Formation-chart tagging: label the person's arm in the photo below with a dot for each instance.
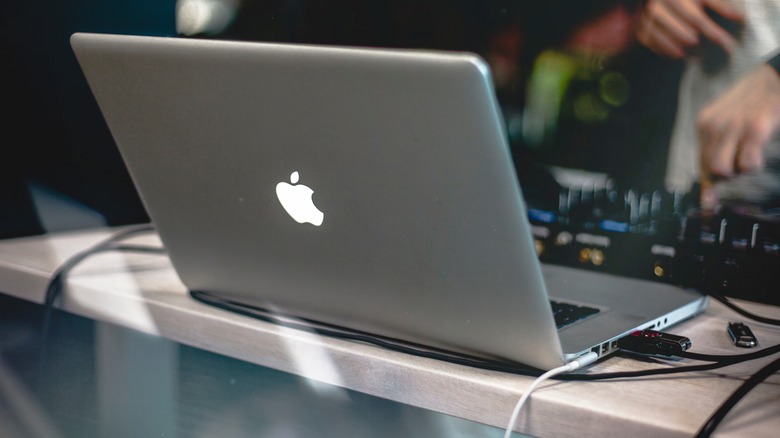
(734, 128)
(673, 28)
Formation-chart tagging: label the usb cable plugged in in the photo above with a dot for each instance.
(582, 361)
(654, 342)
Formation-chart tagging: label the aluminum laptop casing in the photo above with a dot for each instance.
(424, 236)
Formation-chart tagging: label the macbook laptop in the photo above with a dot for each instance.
(361, 188)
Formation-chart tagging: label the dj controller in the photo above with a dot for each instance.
(659, 236)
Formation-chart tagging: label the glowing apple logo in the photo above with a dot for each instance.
(296, 200)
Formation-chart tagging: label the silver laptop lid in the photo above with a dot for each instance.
(423, 235)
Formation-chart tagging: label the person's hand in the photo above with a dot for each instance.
(734, 128)
(673, 28)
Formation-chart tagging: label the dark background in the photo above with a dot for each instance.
(54, 134)
(56, 142)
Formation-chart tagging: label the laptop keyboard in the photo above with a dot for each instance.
(566, 313)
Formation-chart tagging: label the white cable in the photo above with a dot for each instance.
(584, 360)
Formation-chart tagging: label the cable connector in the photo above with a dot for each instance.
(582, 361)
(654, 342)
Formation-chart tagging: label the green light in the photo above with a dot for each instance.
(614, 88)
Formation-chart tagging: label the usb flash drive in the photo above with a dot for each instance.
(654, 342)
(741, 335)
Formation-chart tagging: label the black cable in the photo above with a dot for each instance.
(511, 368)
(72, 261)
(730, 357)
(728, 303)
(56, 282)
(647, 373)
(357, 336)
(54, 287)
(738, 395)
